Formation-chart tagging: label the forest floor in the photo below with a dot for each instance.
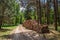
(21, 33)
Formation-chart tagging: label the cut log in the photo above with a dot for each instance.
(33, 25)
(45, 29)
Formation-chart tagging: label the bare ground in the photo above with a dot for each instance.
(21, 33)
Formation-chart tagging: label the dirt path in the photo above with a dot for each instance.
(21, 33)
(20, 29)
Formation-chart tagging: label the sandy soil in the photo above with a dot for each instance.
(21, 33)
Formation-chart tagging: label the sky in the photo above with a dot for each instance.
(24, 1)
(43, 1)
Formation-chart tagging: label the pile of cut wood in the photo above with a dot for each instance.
(33, 25)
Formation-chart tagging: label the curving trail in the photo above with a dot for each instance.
(21, 33)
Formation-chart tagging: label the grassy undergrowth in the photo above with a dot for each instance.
(59, 28)
(6, 30)
(51, 27)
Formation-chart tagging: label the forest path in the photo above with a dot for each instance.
(20, 29)
(21, 33)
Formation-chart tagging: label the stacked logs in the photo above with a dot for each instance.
(33, 25)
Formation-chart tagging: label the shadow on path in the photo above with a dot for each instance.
(20, 36)
(27, 36)
(20, 33)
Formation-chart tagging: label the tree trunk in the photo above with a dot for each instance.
(48, 11)
(0, 26)
(38, 3)
(0, 21)
(55, 12)
(2, 16)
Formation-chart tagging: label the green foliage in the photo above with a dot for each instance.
(10, 12)
(59, 15)
(13, 16)
(22, 17)
(51, 16)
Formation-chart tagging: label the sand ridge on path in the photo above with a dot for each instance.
(20, 29)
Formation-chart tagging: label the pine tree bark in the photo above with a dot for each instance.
(38, 3)
(55, 12)
(2, 16)
(48, 11)
(0, 21)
